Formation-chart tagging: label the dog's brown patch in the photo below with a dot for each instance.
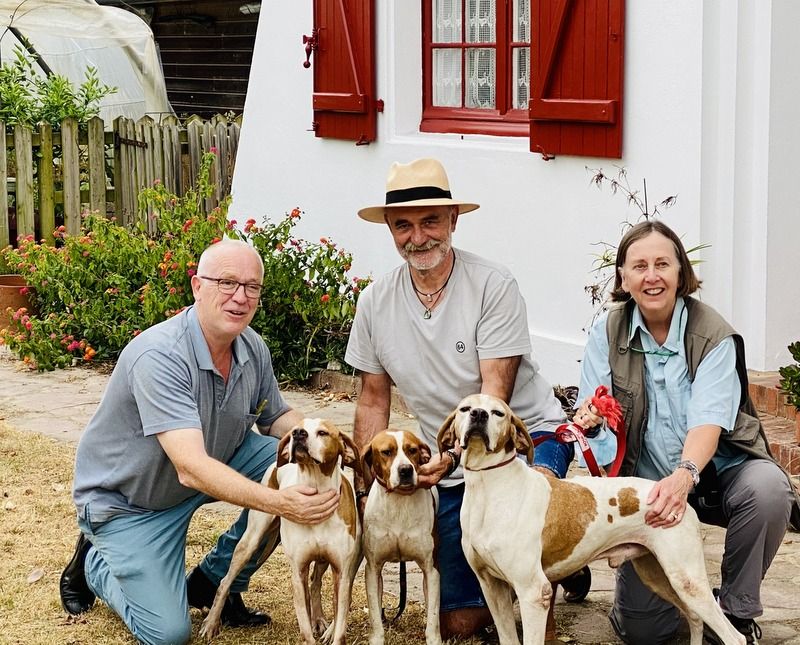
(347, 507)
(572, 508)
(273, 479)
(612, 501)
(628, 501)
(610, 519)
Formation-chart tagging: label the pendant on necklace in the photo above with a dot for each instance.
(430, 299)
(427, 314)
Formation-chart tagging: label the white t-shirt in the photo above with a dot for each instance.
(434, 362)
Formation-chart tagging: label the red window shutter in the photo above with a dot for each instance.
(344, 70)
(576, 77)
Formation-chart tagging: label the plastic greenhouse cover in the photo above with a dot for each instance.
(71, 35)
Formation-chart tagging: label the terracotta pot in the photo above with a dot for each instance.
(10, 296)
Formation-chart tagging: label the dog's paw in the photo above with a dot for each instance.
(327, 636)
(319, 626)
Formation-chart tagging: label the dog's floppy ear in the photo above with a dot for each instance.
(349, 452)
(446, 438)
(425, 453)
(522, 440)
(283, 449)
(366, 458)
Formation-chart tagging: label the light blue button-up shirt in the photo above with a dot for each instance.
(675, 404)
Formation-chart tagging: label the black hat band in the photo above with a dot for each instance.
(415, 194)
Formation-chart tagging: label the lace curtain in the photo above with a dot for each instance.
(477, 20)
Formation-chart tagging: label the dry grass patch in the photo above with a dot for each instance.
(38, 529)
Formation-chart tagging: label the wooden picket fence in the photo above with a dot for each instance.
(75, 169)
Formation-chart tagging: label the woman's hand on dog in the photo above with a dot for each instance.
(669, 499)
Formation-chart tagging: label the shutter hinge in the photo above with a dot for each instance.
(314, 126)
(379, 105)
(310, 43)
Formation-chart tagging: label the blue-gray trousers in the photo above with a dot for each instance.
(137, 566)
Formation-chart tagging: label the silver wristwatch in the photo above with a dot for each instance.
(694, 471)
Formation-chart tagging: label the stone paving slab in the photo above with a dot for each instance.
(59, 404)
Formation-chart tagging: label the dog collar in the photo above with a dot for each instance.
(502, 463)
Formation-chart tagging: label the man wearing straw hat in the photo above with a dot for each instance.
(445, 324)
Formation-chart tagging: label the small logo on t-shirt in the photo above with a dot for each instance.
(460, 347)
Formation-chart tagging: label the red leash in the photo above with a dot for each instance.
(608, 408)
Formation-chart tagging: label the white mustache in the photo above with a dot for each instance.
(409, 247)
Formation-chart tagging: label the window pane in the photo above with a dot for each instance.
(481, 15)
(522, 21)
(480, 78)
(447, 77)
(447, 21)
(521, 79)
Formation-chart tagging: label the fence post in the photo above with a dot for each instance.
(72, 175)
(47, 197)
(23, 152)
(97, 166)
(4, 234)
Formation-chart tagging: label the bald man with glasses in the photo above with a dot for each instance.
(173, 431)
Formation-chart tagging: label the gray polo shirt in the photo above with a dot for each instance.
(165, 380)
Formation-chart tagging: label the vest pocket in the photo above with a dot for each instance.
(745, 432)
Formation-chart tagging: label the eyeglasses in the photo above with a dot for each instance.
(229, 287)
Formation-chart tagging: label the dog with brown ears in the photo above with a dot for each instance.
(399, 523)
(311, 454)
(553, 528)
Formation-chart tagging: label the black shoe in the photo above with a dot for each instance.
(746, 626)
(200, 592)
(76, 597)
(576, 586)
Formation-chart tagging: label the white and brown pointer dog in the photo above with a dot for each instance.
(399, 524)
(522, 530)
(309, 455)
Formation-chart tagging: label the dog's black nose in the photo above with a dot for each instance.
(299, 433)
(406, 472)
(478, 414)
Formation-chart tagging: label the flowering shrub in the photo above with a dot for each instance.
(97, 290)
(308, 301)
(100, 288)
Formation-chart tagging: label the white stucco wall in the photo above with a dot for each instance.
(704, 119)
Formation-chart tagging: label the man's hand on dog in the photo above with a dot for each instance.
(304, 505)
(435, 470)
(668, 498)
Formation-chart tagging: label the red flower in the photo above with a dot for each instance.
(215, 240)
(187, 225)
(325, 297)
(23, 290)
(295, 213)
(213, 150)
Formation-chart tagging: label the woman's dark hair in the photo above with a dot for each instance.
(688, 281)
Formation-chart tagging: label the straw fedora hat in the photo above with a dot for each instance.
(422, 182)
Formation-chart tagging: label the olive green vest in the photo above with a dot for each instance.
(705, 328)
